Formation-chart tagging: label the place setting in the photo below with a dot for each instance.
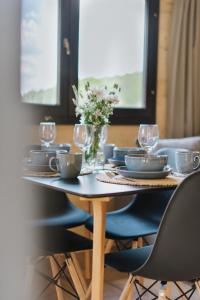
(139, 165)
(40, 160)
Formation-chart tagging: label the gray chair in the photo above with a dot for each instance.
(170, 152)
(190, 143)
(175, 253)
(51, 215)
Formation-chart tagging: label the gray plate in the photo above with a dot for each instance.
(123, 171)
(37, 168)
(116, 162)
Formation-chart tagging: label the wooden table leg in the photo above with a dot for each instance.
(99, 216)
(99, 211)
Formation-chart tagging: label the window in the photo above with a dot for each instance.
(39, 82)
(99, 41)
(49, 51)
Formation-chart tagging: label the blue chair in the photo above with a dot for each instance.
(175, 253)
(51, 215)
(140, 218)
(52, 208)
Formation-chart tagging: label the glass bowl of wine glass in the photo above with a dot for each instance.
(148, 136)
(47, 133)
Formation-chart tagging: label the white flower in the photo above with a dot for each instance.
(113, 99)
(98, 113)
(99, 92)
(95, 104)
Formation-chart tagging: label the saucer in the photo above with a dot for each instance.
(116, 162)
(123, 171)
(28, 166)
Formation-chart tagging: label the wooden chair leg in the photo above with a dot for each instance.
(131, 293)
(55, 270)
(131, 290)
(168, 290)
(79, 271)
(89, 290)
(75, 278)
(109, 246)
(88, 259)
(162, 293)
(197, 283)
(135, 244)
(127, 288)
(180, 284)
(140, 244)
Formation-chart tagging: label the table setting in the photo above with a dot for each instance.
(111, 163)
(36, 161)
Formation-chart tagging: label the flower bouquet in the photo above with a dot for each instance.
(94, 105)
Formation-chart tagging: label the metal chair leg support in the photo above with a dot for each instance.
(75, 278)
(64, 275)
(54, 281)
(55, 269)
(146, 290)
(185, 294)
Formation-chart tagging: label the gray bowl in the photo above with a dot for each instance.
(146, 163)
(120, 152)
(40, 157)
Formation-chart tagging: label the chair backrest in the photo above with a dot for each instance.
(45, 203)
(170, 152)
(176, 252)
(151, 205)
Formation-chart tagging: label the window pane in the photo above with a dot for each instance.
(39, 58)
(111, 47)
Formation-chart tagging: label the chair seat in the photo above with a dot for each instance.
(71, 218)
(121, 226)
(49, 241)
(128, 260)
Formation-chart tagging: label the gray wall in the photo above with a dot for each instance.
(12, 195)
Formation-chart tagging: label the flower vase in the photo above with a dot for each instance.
(94, 151)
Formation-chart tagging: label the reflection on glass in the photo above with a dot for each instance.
(111, 47)
(39, 54)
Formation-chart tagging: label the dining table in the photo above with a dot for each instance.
(98, 193)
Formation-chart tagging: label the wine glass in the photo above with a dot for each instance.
(83, 134)
(47, 133)
(148, 136)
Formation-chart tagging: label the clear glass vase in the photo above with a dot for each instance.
(92, 153)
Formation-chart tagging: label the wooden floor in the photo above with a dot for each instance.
(114, 283)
